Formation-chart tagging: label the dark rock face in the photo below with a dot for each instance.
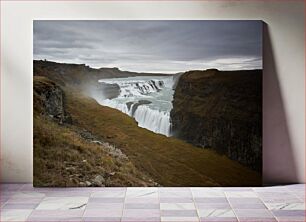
(221, 110)
(49, 99)
(135, 106)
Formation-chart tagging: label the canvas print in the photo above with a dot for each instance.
(147, 103)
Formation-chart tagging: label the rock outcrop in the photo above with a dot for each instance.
(49, 99)
(221, 110)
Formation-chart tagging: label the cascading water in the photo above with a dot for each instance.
(148, 99)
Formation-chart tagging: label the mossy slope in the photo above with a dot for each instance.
(169, 161)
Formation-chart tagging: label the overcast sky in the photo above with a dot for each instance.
(151, 46)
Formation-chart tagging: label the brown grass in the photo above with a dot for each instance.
(169, 161)
(63, 158)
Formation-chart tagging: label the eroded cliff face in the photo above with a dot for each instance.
(49, 99)
(221, 110)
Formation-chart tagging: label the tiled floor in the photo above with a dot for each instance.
(22, 202)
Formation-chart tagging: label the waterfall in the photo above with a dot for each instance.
(148, 99)
(154, 120)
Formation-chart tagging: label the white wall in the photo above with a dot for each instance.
(284, 76)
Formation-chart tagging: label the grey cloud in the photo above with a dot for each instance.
(137, 44)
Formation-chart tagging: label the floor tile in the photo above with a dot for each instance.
(291, 219)
(62, 203)
(179, 213)
(237, 189)
(274, 197)
(25, 200)
(285, 206)
(176, 189)
(176, 200)
(105, 200)
(140, 219)
(14, 214)
(102, 219)
(175, 193)
(179, 219)
(240, 194)
(19, 206)
(216, 213)
(244, 200)
(24, 194)
(253, 219)
(177, 206)
(142, 200)
(218, 219)
(210, 200)
(55, 219)
(27, 187)
(3, 200)
(296, 187)
(133, 192)
(248, 206)
(141, 206)
(246, 203)
(289, 213)
(206, 192)
(142, 213)
(279, 189)
(84, 193)
(10, 187)
(91, 205)
(213, 205)
(253, 213)
(57, 213)
(300, 195)
(109, 193)
(103, 212)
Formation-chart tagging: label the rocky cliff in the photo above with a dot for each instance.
(221, 110)
(49, 99)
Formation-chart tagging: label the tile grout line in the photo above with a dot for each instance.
(123, 207)
(91, 192)
(194, 203)
(36, 206)
(231, 206)
(158, 197)
(5, 202)
(265, 205)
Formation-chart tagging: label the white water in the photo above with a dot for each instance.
(148, 99)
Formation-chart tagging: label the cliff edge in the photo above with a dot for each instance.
(221, 110)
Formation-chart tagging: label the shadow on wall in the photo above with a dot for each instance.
(278, 160)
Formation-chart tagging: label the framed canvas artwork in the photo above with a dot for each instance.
(147, 103)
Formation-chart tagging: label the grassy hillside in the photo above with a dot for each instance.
(169, 161)
(67, 155)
